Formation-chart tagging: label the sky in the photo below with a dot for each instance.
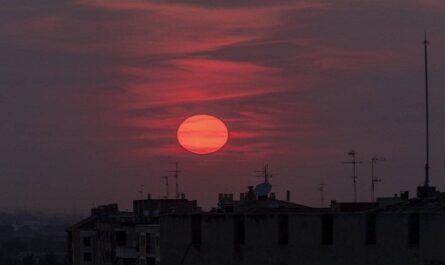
(93, 91)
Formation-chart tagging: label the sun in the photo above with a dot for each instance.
(202, 134)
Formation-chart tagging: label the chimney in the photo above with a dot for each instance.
(288, 195)
(183, 196)
(241, 196)
(272, 195)
(148, 196)
(404, 195)
(251, 196)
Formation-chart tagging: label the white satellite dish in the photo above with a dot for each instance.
(263, 189)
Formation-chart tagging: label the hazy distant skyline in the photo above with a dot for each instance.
(92, 92)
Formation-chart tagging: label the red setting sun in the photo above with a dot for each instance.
(202, 134)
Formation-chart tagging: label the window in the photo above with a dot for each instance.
(413, 229)
(196, 229)
(87, 241)
(151, 261)
(283, 229)
(147, 243)
(327, 229)
(238, 226)
(87, 256)
(121, 238)
(157, 243)
(371, 230)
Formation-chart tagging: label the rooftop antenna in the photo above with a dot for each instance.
(354, 177)
(321, 189)
(374, 179)
(265, 173)
(427, 163)
(444, 168)
(176, 175)
(166, 186)
(141, 191)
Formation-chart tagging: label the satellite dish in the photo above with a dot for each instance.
(263, 189)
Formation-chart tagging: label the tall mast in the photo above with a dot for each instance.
(265, 173)
(374, 179)
(354, 176)
(176, 176)
(427, 163)
(166, 186)
(321, 189)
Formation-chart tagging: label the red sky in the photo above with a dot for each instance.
(92, 92)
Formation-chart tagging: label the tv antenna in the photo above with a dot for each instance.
(321, 189)
(176, 176)
(141, 191)
(166, 186)
(265, 173)
(374, 179)
(427, 143)
(354, 162)
(444, 168)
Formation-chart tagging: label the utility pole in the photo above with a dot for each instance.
(354, 162)
(176, 176)
(374, 179)
(166, 186)
(427, 163)
(321, 189)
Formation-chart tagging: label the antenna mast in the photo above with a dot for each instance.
(427, 164)
(354, 177)
(321, 189)
(265, 173)
(166, 186)
(374, 179)
(176, 175)
(141, 191)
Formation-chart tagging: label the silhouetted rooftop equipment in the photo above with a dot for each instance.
(176, 172)
(265, 173)
(166, 186)
(427, 143)
(141, 191)
(321, 189)
(354, 176)
(374, 179)
(263, 189)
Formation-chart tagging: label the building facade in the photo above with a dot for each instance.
(113, 237)
(375, 238)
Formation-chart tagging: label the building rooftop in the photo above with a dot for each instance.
(427, 204)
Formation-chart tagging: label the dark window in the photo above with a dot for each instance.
(238, 225)
(371, 229)
(87, 256)
(327, 229)
(121, 238)
(87, 241)
(147, 243)
(413, 232)
(283, 229)
(196, 229)
(128, 261)
(151, 261)
(138, 242)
